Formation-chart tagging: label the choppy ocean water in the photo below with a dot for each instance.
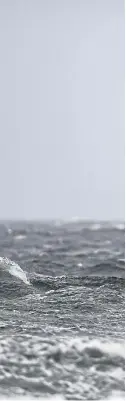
(62, 310)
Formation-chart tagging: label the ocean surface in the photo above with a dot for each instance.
(62, 310)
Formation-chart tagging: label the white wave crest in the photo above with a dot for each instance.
(119, 226)
(95, 227)
(14, 269)
(19, 237)
(111, 348)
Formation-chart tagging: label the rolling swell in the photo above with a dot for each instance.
(112, 268)
(104, 274)
(97, 275)
(48, 282)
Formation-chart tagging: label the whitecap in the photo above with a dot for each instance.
(119, 226)
(95, 227)
(14, 269)
(19, 237)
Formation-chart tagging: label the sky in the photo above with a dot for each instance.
(62, 109)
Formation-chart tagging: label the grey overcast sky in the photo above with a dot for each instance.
(62, 109)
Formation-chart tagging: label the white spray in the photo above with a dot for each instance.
(14, 269)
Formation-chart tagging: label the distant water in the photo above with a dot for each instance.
(62, 336)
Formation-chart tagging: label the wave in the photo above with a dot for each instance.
(103, 273)
(70, 367)
(48, 283)
(14, 269)
(94, 276)
(107, 226)
(91, 225)
(111, 268)
(93, 349)
(20, 237)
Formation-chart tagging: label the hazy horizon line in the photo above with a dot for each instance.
(63, 219)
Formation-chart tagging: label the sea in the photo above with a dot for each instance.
(62, 310)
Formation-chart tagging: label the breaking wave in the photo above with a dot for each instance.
(96, 276)
(7, 265)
